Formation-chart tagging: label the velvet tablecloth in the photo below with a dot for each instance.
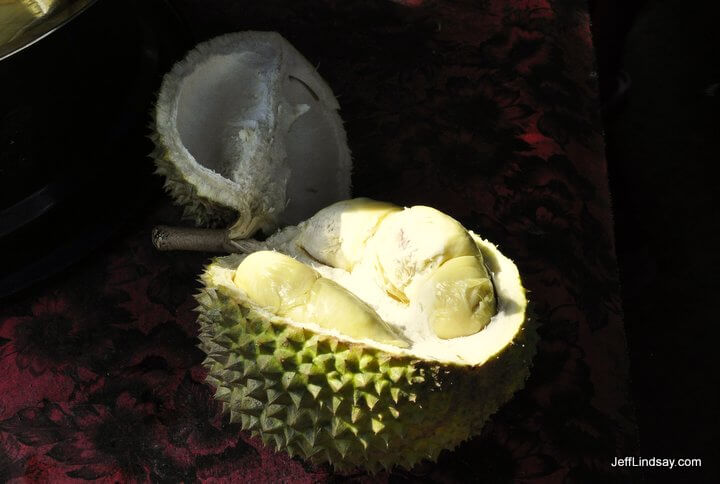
(487, 110)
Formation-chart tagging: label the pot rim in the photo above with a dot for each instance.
(45, 25)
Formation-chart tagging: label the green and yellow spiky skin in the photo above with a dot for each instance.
(352, 405)
(201, 210)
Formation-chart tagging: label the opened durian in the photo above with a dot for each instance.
(246, 131)
(366, 336)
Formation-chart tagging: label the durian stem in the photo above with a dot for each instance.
(184, 238)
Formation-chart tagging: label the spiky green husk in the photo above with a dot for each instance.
(201, 210)
(352, 405)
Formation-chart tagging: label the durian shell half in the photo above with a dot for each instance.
(353, 404)
(246, 131)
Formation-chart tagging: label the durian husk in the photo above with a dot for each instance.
(202, 210)
(265, 196)
(326, 399)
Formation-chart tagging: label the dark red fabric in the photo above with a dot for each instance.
(485, 109)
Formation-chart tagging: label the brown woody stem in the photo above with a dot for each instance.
(184, 238)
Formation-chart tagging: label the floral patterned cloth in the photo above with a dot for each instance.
(485, 109)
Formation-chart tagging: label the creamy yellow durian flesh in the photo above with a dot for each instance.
(291, 289)
(366, 336)
(420, 269)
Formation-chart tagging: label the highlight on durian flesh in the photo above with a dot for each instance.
(368, 336)
(294, 290)
(247, 132)
(418, 261)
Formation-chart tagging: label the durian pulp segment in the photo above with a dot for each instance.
(460, 308)
(336, 236)
(408, 245)
(274, 281)
(458, 297)
(291, 289)
(420, 257)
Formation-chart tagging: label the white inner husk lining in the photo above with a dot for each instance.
(468, 350)
(250, 124)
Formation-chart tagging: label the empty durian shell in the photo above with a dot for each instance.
(246, 131)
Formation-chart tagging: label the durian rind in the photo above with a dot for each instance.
(203, 211)
(327, 399)
(272, 171)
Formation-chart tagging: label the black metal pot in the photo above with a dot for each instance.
(73, 116)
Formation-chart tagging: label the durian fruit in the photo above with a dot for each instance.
(368, 336)
(246, 131)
